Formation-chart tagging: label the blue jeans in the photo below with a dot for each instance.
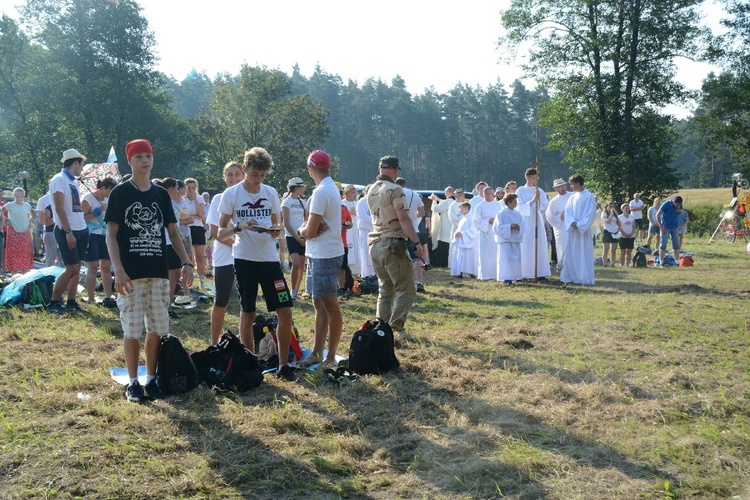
(673, 233)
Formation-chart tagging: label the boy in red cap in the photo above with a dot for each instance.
(325, 255)
(137, 214)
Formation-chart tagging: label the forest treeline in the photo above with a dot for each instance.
(82, 73)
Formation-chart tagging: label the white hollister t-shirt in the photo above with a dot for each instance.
(242, 205)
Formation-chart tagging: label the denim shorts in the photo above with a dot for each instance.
(322, 276)
(673, 233)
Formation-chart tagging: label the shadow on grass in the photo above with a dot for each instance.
(421, 429)
(245, 463)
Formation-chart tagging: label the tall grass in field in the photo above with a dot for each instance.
(637, 387)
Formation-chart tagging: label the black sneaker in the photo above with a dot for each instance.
(173, 315)
(72, 307)
(426, 267)
(152, 390)
(287, 373)
(109, 302)
(55, 307)
(134, 393)
(420, 288)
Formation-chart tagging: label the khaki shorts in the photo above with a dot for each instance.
(146, 307)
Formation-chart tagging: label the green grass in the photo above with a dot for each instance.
(638, 387)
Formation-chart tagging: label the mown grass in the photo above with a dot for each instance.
(636, 387)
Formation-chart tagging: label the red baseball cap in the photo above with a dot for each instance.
(319, 159)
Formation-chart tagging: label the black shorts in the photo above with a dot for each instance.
(97, 248)
(641, 224)
(607, 237)
(198, 235)
(224, 281)
(294, 246)
(75, 256)
(424, 238)
(269, 276)
(173, 260)
(627, 243)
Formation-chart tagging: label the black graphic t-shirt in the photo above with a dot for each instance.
(143, 218)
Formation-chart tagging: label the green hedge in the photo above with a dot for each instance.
(704, 219)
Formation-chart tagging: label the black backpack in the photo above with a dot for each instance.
(639, 259)
(175, 371)
(229, 365)
(371, 350)
(369, 285)
(38, 293)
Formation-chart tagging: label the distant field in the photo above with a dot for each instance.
(713, 196)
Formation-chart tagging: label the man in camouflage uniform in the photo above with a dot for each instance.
(392, 229)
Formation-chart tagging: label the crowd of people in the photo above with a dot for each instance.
(149, 239)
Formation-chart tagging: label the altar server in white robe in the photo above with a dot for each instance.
(349, 200)
(464, 257)
(580, 211)
(555, 215)
(508, 230)
(364, 226)
(530, 202)
(485, 214)
(454, 214)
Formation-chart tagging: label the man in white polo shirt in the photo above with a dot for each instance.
(325, 255)
(71, 232)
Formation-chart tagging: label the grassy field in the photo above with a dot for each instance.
(638, 387)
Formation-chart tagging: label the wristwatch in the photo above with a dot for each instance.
(67, 231)
(236, 227)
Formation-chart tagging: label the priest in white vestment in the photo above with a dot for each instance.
(508, 230)
(485, 214)
(442, 228)
(555, 215)
(580, 211)
(530, 202)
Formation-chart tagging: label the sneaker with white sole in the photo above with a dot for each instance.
(134, 392)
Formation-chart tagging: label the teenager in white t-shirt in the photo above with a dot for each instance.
(194, 205)
(71, 233)
(636, 208)
(627, 240)
(325, 253)
(247, 211)
(294, 210)
(222, 254)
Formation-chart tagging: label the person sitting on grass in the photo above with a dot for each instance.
(137, 216)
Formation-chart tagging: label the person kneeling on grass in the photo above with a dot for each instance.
(137, 214)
